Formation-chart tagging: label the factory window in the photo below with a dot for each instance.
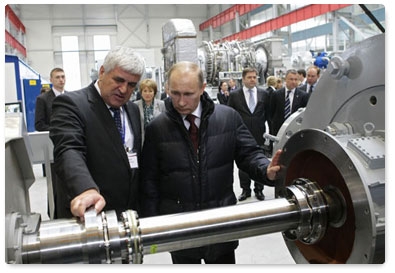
(101, 45)
(71, 62)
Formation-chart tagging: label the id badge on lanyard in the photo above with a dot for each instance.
(132, 157)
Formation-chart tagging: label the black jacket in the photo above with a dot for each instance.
(43, 110)
(89, 153)
(255, 122)
(277, 103)
(175, 179)
(222, 98)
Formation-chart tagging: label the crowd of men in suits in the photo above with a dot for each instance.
(300, 83)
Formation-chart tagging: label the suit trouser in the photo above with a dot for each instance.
(245, 182)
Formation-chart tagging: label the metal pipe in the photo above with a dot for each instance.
(187, 230)
(302, 215)
(72, 241)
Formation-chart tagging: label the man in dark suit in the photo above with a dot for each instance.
(42, 117)
(96, 133)
(313, 75)
(223, 93)
(232, 85)
(297, 98)
(44, 101)
(254, 116)
(271, 83)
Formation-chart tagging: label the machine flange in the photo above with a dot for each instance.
(317, 156)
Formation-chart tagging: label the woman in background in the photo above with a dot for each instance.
(149, 107)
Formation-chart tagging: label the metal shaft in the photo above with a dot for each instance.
(301, 215)
(187, 230)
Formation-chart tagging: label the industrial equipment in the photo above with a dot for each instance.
(23, 85)
(330, 193)
(339, 140)
(102, 238)
(221, 60)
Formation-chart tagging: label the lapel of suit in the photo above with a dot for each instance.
(281, 94)
(295, 101)
(134, 121)
(243, 101)
(259, 97)
(103, 115)
(50, 97)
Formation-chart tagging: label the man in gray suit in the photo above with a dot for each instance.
(96, 133)
(252, 104)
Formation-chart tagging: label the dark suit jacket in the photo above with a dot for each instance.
(163, 96)
(270, 91)
(222, 98)
(255, 122)
(277, 103)
(43, 110)
(304, 88)
(89, 153)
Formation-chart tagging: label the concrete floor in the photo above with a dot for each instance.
(265, 249)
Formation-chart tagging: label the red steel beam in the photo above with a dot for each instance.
(290, 18)
(9, 39)
(14, 19)
(227, 15)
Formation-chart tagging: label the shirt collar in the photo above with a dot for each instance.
(197, 112)
(57, 92)
(292, 90)
(245, 89)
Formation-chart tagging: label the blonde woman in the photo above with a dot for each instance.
(149, 107)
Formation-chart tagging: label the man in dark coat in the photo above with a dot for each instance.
(178, 176)
(44, 101)
(95, 159)
(254, 118)
(42, 118)
(313, 75)
(297, 98)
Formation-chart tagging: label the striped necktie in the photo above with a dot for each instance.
(287, 107)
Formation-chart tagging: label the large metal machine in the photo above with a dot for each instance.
(221, 60)
(224, 60)
(330, 193)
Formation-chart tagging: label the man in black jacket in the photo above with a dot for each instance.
(178, 176)
(252, 103)
(42, 117)
(96, 134)
(44, 101)
(296, 99)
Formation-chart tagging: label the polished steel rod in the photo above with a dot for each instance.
(103, 238)
(194, 229)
